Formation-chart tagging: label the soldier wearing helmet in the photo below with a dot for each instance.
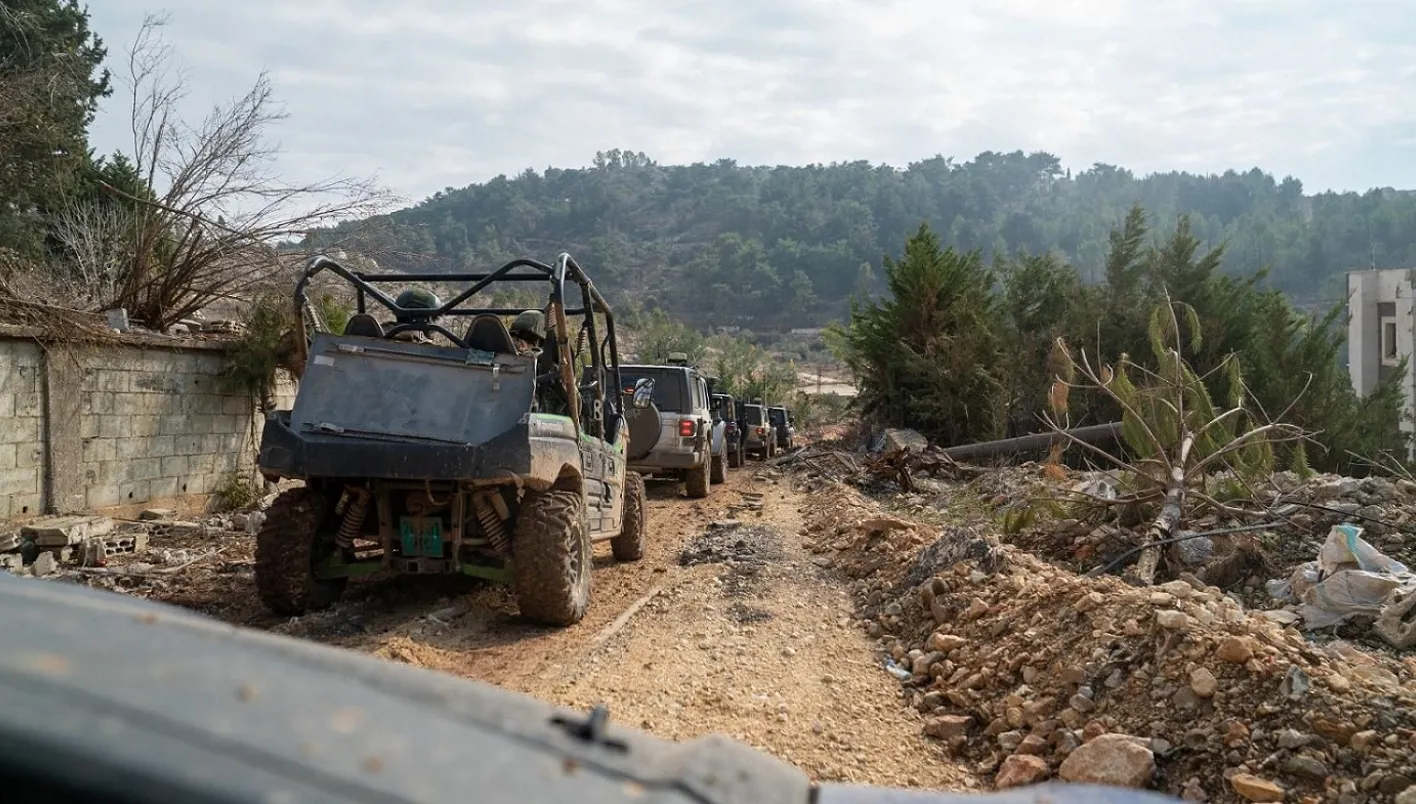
(415, 299)
(528, 332)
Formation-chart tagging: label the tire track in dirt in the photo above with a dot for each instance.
(757, 643)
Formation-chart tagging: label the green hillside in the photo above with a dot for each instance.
(779, 247)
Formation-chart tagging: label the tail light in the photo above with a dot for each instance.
(762, 431)
(688, 428)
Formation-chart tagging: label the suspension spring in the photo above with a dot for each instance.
(492, 520)
(353, 521)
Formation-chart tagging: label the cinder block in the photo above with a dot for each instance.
(7, 456)
(27, 504)
(132, 448)
(102, 495)
(164, 487)
(24, 430)
(162, 446)
(132, 492)
(27, 455)
(112, 381)
(28, 403)
(99, 450)
(144, 469)
(7, 402)
(174, 467)
(127, 542)
(113, 427)
(20, 481)
(188, 444)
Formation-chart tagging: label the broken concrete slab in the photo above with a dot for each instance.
(63, 531)
(898, 439)
(153, 514)
(45, 564)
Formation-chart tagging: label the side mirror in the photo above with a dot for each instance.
(643, 393)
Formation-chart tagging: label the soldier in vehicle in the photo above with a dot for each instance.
(528, 332)
(414, 299)
(532, 338)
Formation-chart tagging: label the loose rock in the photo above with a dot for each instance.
(1255, 788)
(1110, 759)
(1019, 770)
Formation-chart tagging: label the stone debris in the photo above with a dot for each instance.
(66, 531)
(1110, 759)
(1030, 670)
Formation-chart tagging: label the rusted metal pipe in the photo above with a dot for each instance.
(1094, 434)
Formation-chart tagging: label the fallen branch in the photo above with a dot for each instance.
(621, 621)
(156, 574)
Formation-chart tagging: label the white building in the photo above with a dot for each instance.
(1381, 330)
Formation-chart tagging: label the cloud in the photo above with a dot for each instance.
(442, 93)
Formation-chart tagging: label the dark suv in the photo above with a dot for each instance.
(725, 410)
(781, 419)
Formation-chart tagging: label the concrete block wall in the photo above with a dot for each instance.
(21, 429)
(136, 423)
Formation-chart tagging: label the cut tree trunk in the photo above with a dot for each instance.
(1168, 520)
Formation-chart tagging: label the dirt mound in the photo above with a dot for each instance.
(1017, 664)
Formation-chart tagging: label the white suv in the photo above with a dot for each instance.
(675, 436)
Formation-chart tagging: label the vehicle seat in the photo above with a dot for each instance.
(364, 326)
(489, 334)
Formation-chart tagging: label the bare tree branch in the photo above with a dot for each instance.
(207, 222)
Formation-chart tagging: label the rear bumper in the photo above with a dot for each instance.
(667, 460)
(287, 454)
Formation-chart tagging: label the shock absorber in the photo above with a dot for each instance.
(353, 521)
(492, 515)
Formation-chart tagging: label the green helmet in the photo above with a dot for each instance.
(530, 325)
(417, 299)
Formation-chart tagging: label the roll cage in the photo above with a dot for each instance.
(604, 358)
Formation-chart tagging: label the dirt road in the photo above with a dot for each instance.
(726, 626)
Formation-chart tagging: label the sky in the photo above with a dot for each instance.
(431, 94)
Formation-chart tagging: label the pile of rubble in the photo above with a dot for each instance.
(1031, 671)
(104, 548)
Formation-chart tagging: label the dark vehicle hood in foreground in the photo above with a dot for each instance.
(104, 697)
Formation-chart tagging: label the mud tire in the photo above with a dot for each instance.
(629, 545)
(551, 555)
(287, 546)
(719, 472)
(695, 481)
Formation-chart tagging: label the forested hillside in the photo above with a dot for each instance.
(788, 246)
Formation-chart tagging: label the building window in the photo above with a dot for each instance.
(1389, 357)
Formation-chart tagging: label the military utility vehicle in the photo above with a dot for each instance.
(438, 440)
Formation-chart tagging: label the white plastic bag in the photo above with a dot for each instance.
(1356, 579)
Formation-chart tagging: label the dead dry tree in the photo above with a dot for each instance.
(209, 209)
(1175, 435)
